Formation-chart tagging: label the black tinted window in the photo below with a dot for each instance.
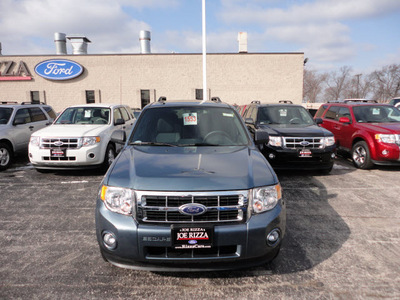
(331, 113)
(37, 114)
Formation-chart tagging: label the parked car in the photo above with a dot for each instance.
(395, 102)
(189, 191)
(17, 122)
(80, 137)
(295, 139)
(370, 132)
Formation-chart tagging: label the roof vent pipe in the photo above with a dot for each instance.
(61, 43)
(242, 39)
(144, 38)
(0, 49)
(79, 43)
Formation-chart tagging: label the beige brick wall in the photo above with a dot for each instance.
(235, 78)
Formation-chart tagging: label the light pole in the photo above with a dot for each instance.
(205, 95)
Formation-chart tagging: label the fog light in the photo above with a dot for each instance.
(273, 237)
(385, 152)
(109, 240)
(91, 155)
(271, 156)
(333, 155)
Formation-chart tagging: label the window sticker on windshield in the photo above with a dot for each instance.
(87, 114)
(283, 112)
(227, 115)
(375, 111)
(190, 119)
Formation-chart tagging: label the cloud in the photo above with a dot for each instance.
(255, 11)
(26, 24)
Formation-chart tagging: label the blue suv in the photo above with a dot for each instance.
(190, 191)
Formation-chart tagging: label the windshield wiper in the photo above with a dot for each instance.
(152, 144)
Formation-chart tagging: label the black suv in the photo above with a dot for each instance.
(295, 139)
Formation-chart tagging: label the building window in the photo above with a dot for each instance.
(145, 97)
(90, 96)
(35, 97)
(199, 94)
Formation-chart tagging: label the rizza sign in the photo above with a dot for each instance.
(58, 69)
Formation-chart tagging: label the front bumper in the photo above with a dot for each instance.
(149, 246)
(283, 158)
(91, 156)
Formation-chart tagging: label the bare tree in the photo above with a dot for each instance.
(386, 83)
(337, 83)
(312, 85)
(359, 86)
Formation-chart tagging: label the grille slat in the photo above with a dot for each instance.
(303, 142)
(60, 143)
(221, 207)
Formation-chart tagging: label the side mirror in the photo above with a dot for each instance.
(118, 137)
(344, 120)
(119, 122)
(261, 137)
(19, 121)
(319, 121)
(249, 121)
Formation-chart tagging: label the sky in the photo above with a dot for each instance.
(361, 34)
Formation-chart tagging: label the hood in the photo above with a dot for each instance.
(390, 128)
(155, 168)
(296, 130)
(71, 130)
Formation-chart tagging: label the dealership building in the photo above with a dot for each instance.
(62, 79)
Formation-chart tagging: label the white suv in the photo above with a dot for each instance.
(80, 137)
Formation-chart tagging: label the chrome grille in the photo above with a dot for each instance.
(164, 206)
(60, 143)
(303, 142)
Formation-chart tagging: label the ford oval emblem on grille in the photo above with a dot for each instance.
(192, 209)
(304, 143)
(58, 143)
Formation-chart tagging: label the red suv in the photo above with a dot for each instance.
(370, 132)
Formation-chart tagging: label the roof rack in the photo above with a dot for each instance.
(359, 100)
(256, 101)
(25, 103)
(162, 99)
(216, 99)
(286, 101)
(9, 102)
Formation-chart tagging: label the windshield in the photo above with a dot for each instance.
(84, 115)
(190, 126)
(5, 114)
(284, 115)
(376, 114)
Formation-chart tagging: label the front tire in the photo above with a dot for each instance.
(108, 157)
(361, 156)
(6, 155)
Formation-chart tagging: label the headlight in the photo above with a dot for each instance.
(387, 138)
(119, 200)
(275, 141)
(35, 141)
(265, 198)
(90, 140)
(329, 141)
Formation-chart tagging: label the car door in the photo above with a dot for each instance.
(329, 118)
(343, 130)
(129, 121)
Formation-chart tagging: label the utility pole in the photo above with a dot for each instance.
(358, 84)
(205, 94)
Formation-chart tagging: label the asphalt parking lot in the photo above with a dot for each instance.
(342, 242)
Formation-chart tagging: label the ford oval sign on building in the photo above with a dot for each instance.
(58, 69)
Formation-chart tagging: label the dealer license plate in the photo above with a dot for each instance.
(305, 153)
(57, 152)
(188, 237)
